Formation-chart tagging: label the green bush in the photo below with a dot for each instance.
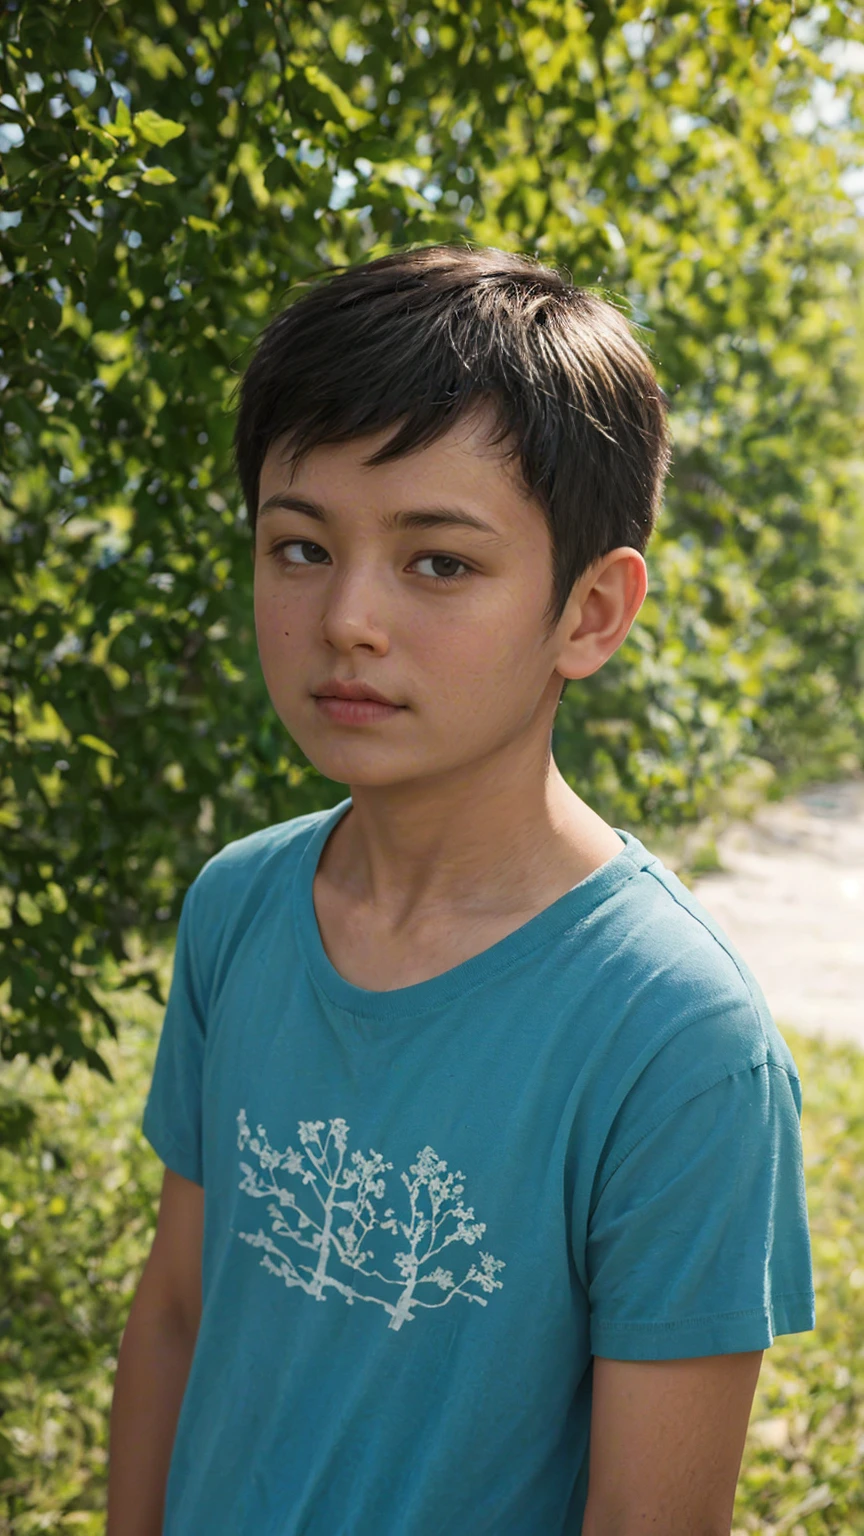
(79, 1195)
(77, 1209)
(168, 171)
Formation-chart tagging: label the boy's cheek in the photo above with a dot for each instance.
(273, 624)
(277, 652)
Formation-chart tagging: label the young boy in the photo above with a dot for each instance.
(455, 1045)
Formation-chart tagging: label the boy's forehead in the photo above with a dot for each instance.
(463, 465)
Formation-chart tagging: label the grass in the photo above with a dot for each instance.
(77, 1205)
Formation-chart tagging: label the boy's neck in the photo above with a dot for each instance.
(410, 860)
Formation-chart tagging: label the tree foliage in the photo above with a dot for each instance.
(168, 172)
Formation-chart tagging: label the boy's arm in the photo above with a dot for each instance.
(667, 1438)
(155, 1355)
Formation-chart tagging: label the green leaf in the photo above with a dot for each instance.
(158, 176)
(123, 120)
(156, 129)
(96, 745)
(17, 1119)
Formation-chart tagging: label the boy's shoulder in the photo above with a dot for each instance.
(683, 964)
(240, 863)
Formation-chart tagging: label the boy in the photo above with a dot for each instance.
(455, 1044)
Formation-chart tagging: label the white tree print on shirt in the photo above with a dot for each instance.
(356, 1186)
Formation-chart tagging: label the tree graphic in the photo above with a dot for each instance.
(435, 1200)
(323, 1168)
(435, 1219)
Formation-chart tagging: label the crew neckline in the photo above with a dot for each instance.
(425, 996)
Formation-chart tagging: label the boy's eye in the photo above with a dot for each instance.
(279, 553)
(447, 560)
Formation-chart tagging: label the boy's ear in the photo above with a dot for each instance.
(600, 612)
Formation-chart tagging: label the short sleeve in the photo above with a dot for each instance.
(698, 1242)
(172, 1116)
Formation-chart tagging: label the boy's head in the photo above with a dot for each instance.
(519, 394)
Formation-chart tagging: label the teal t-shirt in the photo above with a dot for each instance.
(582, 1141)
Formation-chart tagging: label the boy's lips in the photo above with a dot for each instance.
(355, 690)
(357, 711)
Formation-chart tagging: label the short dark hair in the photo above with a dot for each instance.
(417, 339)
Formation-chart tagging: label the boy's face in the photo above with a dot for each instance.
(353, 595)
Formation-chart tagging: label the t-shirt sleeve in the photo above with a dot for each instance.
(698, 1241)
(172, 1116)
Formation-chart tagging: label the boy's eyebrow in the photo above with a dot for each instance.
(419, 517)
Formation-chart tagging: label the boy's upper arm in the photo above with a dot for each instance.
(698, 1254)
(172, 1120)
(171, 1282)
(698, 1243)
(667, 1438)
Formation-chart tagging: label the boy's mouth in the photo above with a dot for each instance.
(354, 690)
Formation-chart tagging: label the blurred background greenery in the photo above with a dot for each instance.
(168, 172)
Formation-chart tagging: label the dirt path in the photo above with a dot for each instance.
(791, 899)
